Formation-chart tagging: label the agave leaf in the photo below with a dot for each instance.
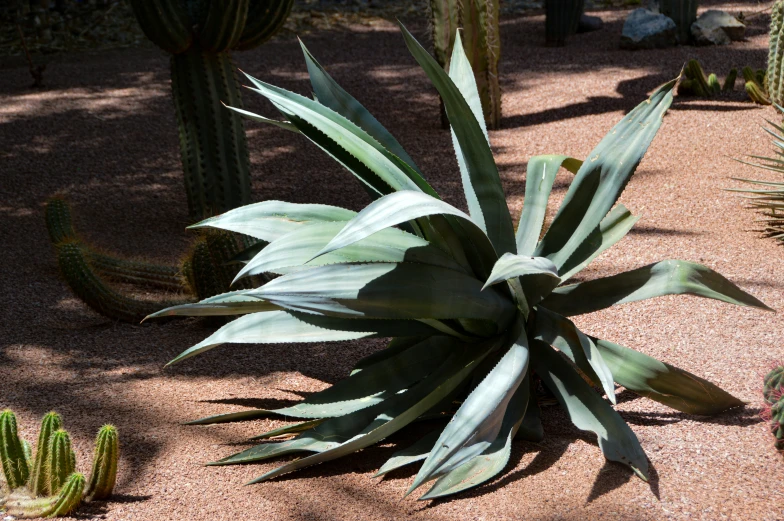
(416, 452)
(493, 459)
(403, 206)
(612, 229)
(408, 407)
(270, 220)
(531, 428)
(587, 410)
(539, 179)
(670, 277)
(289, 429)
(561, 333)
(393, 171)
(332, 95)
(277, 327)
(293, 251)
(484, 192)
(286, 125)
(395, 346)
(603, 176)
(248, 253)
(477, 423)
(386, 290)
(664, 383)
(512, 266)
(231, 303)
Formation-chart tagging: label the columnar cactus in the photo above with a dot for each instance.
(481, 34)
(773, 382)
(104, 472)
(52, 487)
(773, 80)
(39, 482)
(773, 408)
(561, 19)
(199, 34)
(12, 455)
(683, 13)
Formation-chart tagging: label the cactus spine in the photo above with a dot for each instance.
(212, 139)
(61, 462)
(561, 20)
(683, 13)
(105, 458)
(773, 408)
(39, 482)
(773, 381)
(12, 454)
(64, 503)
(481, 40)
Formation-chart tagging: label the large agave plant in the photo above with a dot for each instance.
(477, 312)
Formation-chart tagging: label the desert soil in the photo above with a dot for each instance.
(103, 132)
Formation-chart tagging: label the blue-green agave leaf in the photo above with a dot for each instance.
(670, 277)
(412, 454)
(512, 266)
(231, 303)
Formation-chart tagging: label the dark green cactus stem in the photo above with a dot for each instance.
(683, 13)
(207, 267)
(773, 79)
(212, 139)
(773, 383)
(265, 18)
(777, 423)
(64, 503)
(729, 81)
(561, 20)
(444, 20)
(39, 482)
(28, 453)
(59, 223)
(94, 291)
(12, 454)
(482, 43)
(754, 88)
(61, 462)
(105, 458)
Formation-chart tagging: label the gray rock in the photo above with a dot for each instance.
(715, 27)
(645, 29)
(589, 23)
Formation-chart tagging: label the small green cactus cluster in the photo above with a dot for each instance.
(756, 85)
(205, 271)
(48, 485)
(482, 40)
(683, 13)
(696, 83)
(773, 408)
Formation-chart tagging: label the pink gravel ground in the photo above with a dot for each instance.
(103, 132)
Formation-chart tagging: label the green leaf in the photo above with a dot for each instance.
(612, 229)
(286, 125)
(587, 410)
(231, 303)
(332, 95)
(664, 383)
(477, 423)
(395, 346)
(278, 327)
(483, 467)
(289, 429)
(561, 333)
(484, 192)
(270, 220)
(539, 179)
(416, 452)
(294, 251)
(403, 206)
(512, 266)
(387, 290)
(390, 169)
(603, 176)
(670, 277)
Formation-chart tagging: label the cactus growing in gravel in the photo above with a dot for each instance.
(12, 454)
(481, 34)
(773, 408)
(561, 20)
(104, 471)
(755, 85)
(199, 34)
(39, 482)
(774, 83)
(64, 503)
(52, 487)
(683, 13)
(773, 383)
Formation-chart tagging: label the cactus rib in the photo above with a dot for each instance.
(12, 453)
(61, 460)
(165, 23)
(683, 13)
(265, 18)
(224, 25)
(105, 457)
(39, 483)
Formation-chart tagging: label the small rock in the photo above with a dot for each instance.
(645, 29)
(716, 27)
(589, 23)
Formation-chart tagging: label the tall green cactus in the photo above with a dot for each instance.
(12, 454)
(774, 85)
(561, 20)
(61, 462)
(199, 34)
(482, 42)
(39, 482)
(683, 13)
(105, 458)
